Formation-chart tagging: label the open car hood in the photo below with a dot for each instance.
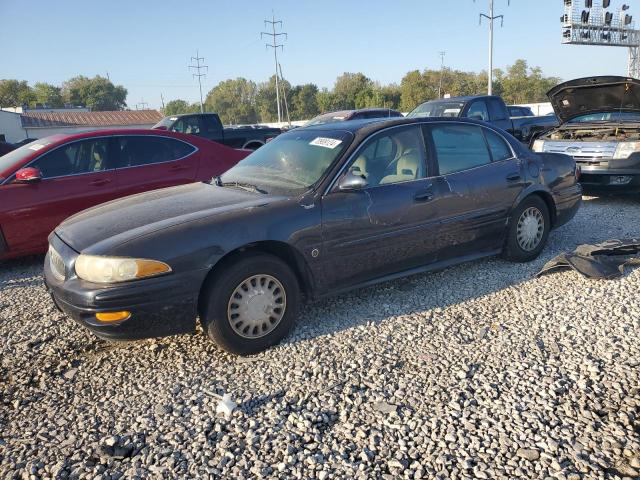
(595, 94)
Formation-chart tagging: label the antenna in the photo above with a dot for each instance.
(275, 45)
(199, 75)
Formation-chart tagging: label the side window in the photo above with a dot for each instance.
(459, 147)
(392, 157)
(86, 156)
(189, 124)
(496, 110)
(478, 111)
(499, 148)
(135, 151)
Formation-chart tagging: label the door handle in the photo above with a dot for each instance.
(99, 183)
(178, 168)
(424, 196)
(513, 177)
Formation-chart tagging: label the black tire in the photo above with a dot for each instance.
(513, 249)
(217, 294)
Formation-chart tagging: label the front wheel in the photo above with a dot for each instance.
(251, 304)
(528, 230)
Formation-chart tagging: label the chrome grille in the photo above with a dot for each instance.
(583, 151)
(57, 264)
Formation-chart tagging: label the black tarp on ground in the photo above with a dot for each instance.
(604, 260)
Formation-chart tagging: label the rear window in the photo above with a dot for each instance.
(437, 109)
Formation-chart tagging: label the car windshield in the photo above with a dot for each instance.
(437, 109)
(607, 117)
(10, 160)
(290, 163)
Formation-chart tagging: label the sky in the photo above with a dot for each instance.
(146, 45)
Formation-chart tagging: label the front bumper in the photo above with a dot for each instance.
(159, 306)
(611, 175)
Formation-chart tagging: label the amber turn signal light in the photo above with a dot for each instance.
(113, 316)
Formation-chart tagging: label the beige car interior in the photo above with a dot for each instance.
(403, 164)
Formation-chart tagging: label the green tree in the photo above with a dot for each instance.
(234, 100)
(304, 104)
(326, 101)
(177, 107)
(347, 88)
(14, 93)
(47, 94)
(414, 90)
(522, 84)
(266, 100)
(97, 93)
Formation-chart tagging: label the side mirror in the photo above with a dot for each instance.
(351, 182)
(28, 175)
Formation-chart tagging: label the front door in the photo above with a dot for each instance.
(75, 176)
(390, 225)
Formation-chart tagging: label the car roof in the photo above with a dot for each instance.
(367, 126)
(65, 137)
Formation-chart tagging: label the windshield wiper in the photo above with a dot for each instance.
(245, 186)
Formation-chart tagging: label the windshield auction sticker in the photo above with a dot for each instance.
(325, 142)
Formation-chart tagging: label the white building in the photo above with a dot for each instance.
(37, 123)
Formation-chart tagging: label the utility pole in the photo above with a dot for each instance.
(142, 104)
(284, 95)
(199, 75)
(442, 55)
(162, 100)
(274, 44)
(491, 18)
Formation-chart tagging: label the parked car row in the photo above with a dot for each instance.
(350, 199)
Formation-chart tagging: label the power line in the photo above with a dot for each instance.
(491, 18)
(442, 55)
(199, 75)
(275, 45)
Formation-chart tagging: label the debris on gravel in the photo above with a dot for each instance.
(478, 371)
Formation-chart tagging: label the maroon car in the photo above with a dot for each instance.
(50, 179)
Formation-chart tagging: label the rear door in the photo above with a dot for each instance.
(75, 176)
(148, 162)
(483, 179)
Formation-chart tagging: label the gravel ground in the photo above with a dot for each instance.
(479, 371)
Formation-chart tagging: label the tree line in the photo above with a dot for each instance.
(240, 100)
(244, 101)
(97, 93)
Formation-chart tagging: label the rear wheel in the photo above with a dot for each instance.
(251, 304)
(529, 227)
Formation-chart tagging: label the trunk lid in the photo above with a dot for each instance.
(595, 94)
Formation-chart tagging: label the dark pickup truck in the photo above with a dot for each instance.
(208, 125)
(488, 108)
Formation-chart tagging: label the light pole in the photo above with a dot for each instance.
(442, 54)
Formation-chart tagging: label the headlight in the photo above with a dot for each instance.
(117, 269)
(624, 149)
(538, 146)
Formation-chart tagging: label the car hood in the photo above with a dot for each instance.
(595, 94)
(127, 218)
